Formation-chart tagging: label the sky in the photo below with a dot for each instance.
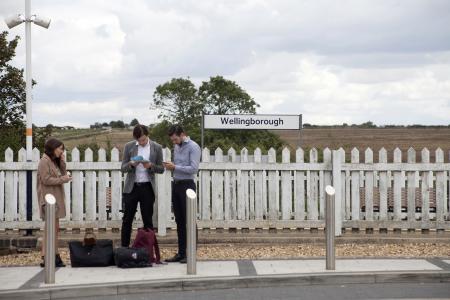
(332, 61)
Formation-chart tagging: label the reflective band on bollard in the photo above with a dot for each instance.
(329, 227)
(50, 230)
(191, 228)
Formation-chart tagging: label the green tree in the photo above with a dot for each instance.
(134, 122)
(180, 102)
(177, 102)
(222, 96)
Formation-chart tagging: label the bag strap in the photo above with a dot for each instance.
(157, 252)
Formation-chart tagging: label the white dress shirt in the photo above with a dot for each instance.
(141, 172)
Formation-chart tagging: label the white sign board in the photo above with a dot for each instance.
(271, 122)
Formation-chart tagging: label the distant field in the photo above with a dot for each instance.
(347, 138)
(375, 138)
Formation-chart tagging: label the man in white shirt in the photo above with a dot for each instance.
(140, 181)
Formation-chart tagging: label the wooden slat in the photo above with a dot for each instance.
(90, 188)
(313, 201)
(299, 187)
(411, 181)
(272, 187)
(205, 177)
(441, 190)
(259, 200)
(397, 186)
(286, 187)
(383, 186)
(2, 196)
(355, 186)
(116, 188)
(243, 206)
(77, 190)
(217, 188)
(336, 157)
(22, 187)
(369, 186)
(103, 184)
(10, 196)
(427, 185)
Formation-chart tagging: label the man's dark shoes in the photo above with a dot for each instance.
(176, 258)
(58, 262)
(183, 260)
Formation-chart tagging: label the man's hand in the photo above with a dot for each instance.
(169, 165)
(147, 165)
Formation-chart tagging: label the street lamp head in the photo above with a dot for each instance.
(41, 21)
(13, 21)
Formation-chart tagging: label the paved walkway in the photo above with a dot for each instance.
(70, 281)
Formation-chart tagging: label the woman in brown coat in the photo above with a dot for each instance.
(51, 177)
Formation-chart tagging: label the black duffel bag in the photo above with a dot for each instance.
(132, 257)
(99, 254)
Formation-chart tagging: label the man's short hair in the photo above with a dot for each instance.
(175, 129)
(140, 130)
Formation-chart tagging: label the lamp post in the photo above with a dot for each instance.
(11, 22)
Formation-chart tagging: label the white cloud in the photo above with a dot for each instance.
(333, 61)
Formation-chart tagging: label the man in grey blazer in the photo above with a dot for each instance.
(140, 180)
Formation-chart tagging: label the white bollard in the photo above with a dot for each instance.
(50, 219)
(191, 229)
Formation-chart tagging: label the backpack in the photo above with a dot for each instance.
(146, 238)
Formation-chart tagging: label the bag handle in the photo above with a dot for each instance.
(89, 239)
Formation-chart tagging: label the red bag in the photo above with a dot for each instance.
(146, 238)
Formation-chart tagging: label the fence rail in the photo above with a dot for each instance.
(238, 190)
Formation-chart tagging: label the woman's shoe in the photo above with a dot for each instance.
(42, 264)
(58, 262)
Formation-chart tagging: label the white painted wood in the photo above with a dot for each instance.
(10, 198)
(272, 189)
(398, 183)
(251, 186)
(22, 187)
(90, 188)
(286, 187)
(103, 184)
(217, 188)
(326, 180)
(299, 187)
(383, 186)
(77, 189)
(411, 190)
(336, 157)
(34, 197)
(116, 188)
(259, 206)
(233, 184)
(441, 188)
(343, 185)
(369, 186)
(244, 205)
(355, 186)
(164, 196)
(313, 203)
(205, 187)
(427, 184)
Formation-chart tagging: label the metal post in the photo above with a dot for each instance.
(28, 111)
(329, 227)
(50, 231)
(203, 130)
(191, 228)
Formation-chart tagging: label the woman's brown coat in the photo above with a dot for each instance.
(49, 181)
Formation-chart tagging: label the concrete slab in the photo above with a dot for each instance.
(15, 277)
(80, 276)
(271, 267)
(447, 261)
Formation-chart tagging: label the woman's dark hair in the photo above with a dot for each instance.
(49, 149)
(140, 130)
(175, 129)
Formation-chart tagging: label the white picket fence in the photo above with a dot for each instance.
(252, 191)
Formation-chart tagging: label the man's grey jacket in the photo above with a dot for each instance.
(156, 158)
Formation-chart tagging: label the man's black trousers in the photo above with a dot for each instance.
(142, 193)
(179, 208)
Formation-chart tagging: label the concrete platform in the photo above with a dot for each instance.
(27, 282)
